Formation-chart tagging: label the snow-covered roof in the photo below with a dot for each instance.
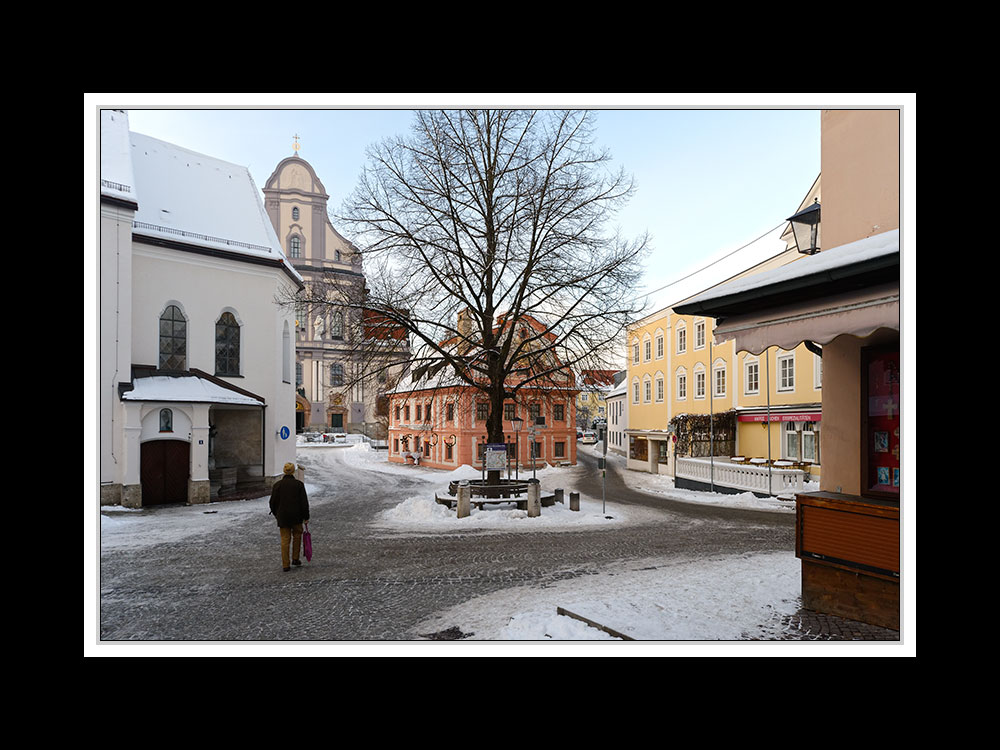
(186, 196)
(191, 389)
(117, 180)
(828, 263)
(619, 390)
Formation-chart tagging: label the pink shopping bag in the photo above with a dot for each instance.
(307, 544)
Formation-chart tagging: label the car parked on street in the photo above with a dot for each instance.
(589, 437)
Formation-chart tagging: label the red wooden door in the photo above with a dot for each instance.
(163, 471)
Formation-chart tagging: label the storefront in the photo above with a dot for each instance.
(649, 451)
(845, 302)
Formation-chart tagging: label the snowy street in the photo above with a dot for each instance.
(391, 565)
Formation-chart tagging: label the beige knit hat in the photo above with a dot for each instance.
(289, 468)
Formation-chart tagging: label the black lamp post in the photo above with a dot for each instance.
(805, 229)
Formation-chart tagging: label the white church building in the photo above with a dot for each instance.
(197, 358)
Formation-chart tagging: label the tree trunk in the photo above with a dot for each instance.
(494, 422)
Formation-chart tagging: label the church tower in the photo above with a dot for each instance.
(337, 386)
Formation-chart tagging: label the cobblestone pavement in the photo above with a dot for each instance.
(368, 585)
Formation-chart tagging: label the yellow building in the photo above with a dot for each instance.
(591, 407)
(765, 407)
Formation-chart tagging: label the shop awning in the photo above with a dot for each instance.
(820, 321)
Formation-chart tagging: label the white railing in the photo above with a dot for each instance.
(741, 476)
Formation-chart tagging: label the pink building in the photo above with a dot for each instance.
(442, 424)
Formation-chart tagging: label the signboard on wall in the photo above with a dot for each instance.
(802, 417)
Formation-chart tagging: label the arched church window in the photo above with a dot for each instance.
(227, 345)
(173, 339)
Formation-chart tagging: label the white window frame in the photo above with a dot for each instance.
(786, 372)
(659, 388)
(719, 369)
(699, 335)
(751, 364)
(647, 390)
(681, 335)
(814, 457)
(791, 430)
(635, 390)
(682, 385)
(699, 384)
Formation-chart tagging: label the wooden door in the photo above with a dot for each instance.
(163, 471)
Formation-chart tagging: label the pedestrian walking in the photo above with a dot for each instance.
(290, 507)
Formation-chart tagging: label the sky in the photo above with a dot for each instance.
(711, 175)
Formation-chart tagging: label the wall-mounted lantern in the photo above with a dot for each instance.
(805, 229)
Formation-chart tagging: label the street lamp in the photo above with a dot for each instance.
(516, 422)
(805, 229)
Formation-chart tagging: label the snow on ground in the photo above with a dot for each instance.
(721, 598)
(718, 599)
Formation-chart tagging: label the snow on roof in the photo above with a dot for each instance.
(185, 196)
(190, 389)
(870, 248)
(618, 390)
(117, 180)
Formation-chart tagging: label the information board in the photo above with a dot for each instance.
(496, 456)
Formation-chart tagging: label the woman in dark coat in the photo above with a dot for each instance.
(290, 507)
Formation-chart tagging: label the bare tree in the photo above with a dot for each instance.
(485, 237)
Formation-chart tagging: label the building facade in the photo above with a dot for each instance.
(441, 421)
(762, 406)
(342, 373)
(618, 419)
(591, 404)
(196, 399)
(843, 298)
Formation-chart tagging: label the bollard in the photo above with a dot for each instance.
(574, 501)
(559, 495)
(534, 498)
(464, 494)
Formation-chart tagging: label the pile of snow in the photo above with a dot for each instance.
(718, 599)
